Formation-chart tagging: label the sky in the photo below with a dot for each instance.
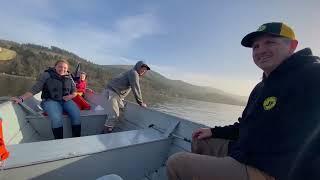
(197, 41)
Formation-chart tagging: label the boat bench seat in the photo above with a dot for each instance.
(43, 126)
(53, 150)
(110, 177)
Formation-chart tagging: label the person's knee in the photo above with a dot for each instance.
(176, 160)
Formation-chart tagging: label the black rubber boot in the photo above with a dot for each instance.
(76, 130)
(58, 132)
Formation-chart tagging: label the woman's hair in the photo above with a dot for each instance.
(61, 61)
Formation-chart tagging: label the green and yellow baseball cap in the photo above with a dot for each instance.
(273, 28)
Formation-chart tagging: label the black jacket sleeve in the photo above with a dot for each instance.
(226, 132)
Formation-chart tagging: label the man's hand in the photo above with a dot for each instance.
(202, 133)
(143, 105)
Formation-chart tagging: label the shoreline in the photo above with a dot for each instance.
(16, 76)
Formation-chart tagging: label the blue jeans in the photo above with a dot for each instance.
(54, 109)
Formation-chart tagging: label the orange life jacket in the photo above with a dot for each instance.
(4, 154)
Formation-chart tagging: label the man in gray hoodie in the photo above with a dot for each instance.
(118, 88)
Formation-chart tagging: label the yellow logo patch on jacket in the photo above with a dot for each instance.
(269, 103)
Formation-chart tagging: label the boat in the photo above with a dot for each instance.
(137, 150)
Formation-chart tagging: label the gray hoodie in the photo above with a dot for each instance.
(124, 82)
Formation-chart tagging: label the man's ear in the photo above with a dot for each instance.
(293, 46)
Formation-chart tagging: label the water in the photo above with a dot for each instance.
(210, 114)
(207, 113)
(13, 85)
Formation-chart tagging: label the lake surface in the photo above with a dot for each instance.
(210, 114)
(14, 86)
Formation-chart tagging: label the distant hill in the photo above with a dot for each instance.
(32, 59)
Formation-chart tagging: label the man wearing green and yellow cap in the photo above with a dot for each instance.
(278, 135)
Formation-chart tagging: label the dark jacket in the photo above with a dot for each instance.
(53, 85)
(282, 113)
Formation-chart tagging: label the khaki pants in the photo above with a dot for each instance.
(209, 161)
(114, 103)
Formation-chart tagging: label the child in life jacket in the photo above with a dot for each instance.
(81, 86)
